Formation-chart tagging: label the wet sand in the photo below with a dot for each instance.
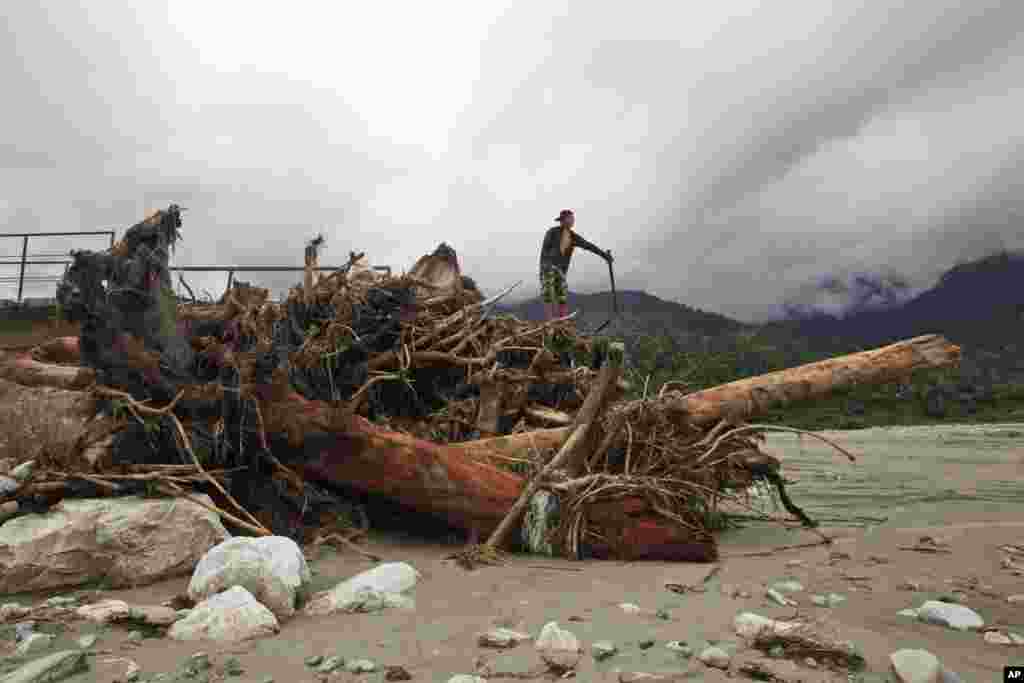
(960, 485)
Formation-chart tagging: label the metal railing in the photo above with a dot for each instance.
(25, 259)
(47, 259)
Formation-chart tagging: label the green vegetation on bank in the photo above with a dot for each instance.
(657, 360)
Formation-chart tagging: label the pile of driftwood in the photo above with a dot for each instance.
(408, 387)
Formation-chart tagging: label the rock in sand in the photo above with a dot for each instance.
(915, 666)
(714, 657)
(49, 669)
(128, 541)
(558, 648)
(380, 587)
(954, 616)
(272, 568)
(231, 616)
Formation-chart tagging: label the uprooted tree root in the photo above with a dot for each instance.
(478, 555)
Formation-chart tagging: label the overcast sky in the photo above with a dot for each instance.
(730, 154)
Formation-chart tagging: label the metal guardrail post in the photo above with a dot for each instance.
(21, 273)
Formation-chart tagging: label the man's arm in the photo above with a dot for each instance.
(578, 241)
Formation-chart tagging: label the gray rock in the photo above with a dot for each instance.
(909, 612)
(788, 586)
(233, 615)
(630, 608)
(200, 661)
(233, 667)
(680, 647)
(778, 598)
(830, 600)
(104, 611)
(23, 630)
(378, 588)
(314, 660)
(603, 649)
(272, 568)
(558, 648)
(715, 657)
(87, 641)
(501, 638)
(915, 666)
(997, 638)
(128, 541)
(360, 666)
(328, 664)
(59, 601)
(34, 644)
(49, 669)
(954, 616)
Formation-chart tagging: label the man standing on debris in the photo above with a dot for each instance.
(555, 255)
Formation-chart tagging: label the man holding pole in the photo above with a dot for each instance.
(555, 256)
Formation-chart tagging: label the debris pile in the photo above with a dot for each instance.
(405, 386)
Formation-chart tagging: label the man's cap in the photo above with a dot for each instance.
(565, 213)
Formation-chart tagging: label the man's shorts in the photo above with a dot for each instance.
(552, 286)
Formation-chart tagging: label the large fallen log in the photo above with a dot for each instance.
(747, 398)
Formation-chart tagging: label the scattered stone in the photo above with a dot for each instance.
(378, 588)
(909, 612)
(915, 666)
(779, 599)
(127, 541)
(12, 611)
(794, 563)
(811, 663)
(1012, 599)
(314, 660)
(910, 586)
(397, 673)
(466, 678)
(788, 586)
(233, 615)
(233, 667)
(558, 648)
(59, 601)
(154, 615)
(24, 471)
(954, 616)
(23, 630)
(715, 657)
(272, 568)
(830, 600)
(55, 667)
(360, 666)
(680, 647)
(646, 644)
(603, 649)
(501, 638)
(997, 638)
(630, 608)
(87, 641)
(34, 644)
(104, 611)
(749, 625)
(8, 486)
(200, 661)
(326, 665)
